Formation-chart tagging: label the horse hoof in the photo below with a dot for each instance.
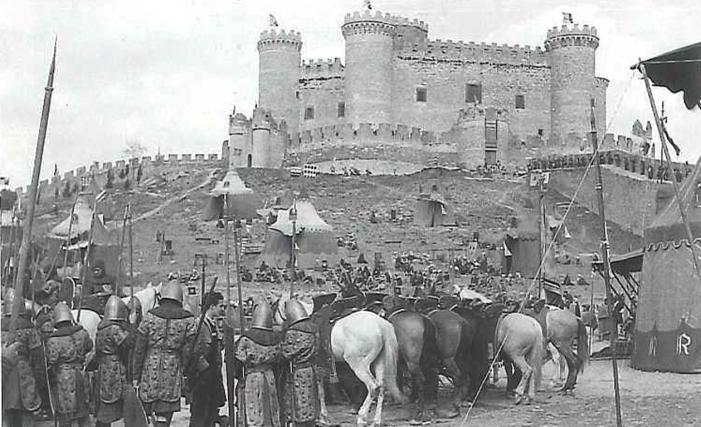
(518, 400)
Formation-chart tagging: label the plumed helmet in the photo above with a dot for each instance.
(262, 316)
(295, 311)
(116, 309)
(62, 313)
(172, 291)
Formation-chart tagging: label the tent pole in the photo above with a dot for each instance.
(131, 252)
(606, 266)
(31, 207)
(663, 142)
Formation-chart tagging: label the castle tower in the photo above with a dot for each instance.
(261, 125)
(368, 74)
(278, 74)
(571, 50)
(239, 141)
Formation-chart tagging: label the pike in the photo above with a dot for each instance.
(32, 202)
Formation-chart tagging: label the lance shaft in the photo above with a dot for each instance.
(27, 235)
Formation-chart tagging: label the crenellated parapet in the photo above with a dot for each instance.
(367, 22)
(449, 50)
(322, 68)
(572, 35)
(273, 38)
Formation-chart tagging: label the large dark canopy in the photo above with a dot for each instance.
(678, 70)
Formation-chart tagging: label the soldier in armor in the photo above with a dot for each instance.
(207, 387)
(20, 398)
(299, 346)
(258, 349)
(112, 346)
(97, 288)
(66, 350)
(164, 345)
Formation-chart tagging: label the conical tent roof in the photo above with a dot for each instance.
(308, 220)
(80, 229)
(668, 319)
(231, 191)
(314, 238)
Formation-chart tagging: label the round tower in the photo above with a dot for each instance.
(239, 141)
(571, 52)
(278, 74)
(368, 74)
(261, 125)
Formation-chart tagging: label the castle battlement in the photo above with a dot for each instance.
(572, 30)
(569, 35)
(272, 37)
(322, 68)
(476, 52)
(386, 18)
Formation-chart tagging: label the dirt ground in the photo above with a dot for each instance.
(647, 399)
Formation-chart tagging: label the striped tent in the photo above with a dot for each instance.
(314, 239)
(242, 201)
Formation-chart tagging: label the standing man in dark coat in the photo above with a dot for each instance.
(113, 344)
(299, 346)
(66, 349)
(207, 384)
(164, 346)
(258, 349)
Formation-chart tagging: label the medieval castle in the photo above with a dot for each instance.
(402, 101)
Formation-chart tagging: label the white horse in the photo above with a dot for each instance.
(368, 344)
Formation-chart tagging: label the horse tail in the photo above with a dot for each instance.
(582, 345)
(536, 358)
(389, 354)
(430, 348)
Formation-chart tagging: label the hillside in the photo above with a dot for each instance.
(486, 206)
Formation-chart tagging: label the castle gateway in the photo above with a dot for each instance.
(402, 101)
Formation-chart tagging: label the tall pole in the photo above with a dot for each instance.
(29, 221)
(118, 284)
(675, 186)
(543, 238)
(293, 255)
(605, 255)
(131, 253)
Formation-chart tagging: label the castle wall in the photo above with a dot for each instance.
(445, 81)
(321, 87)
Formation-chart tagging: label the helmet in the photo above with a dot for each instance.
(295, 311)
(62, 313)
(173, 292)
(7, 301)
(116, 309)
(262, 316)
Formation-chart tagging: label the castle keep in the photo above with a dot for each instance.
(402, 100)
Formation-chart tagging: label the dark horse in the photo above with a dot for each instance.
(416, 336)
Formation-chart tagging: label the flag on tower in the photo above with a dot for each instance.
(367, 4)
(273, 21)
(567, 18)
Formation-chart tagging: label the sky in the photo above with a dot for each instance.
(166, 74)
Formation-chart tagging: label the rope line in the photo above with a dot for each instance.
(547, 252)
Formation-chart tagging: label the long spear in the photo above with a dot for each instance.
(131, 254)
(118, 283)
(27, 235)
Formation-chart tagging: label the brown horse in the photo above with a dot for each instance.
(416, 336)
(520, 339)
(455, 337)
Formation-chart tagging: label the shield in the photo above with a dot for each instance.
(134, 414)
